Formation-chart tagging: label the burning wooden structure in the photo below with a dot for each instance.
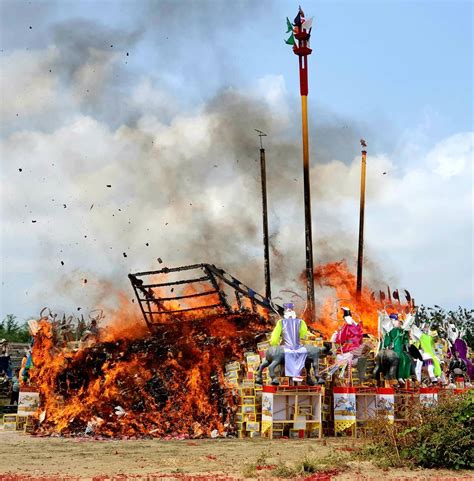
(195, 292)
(167, 382)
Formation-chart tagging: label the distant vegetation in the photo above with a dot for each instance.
(462, 318)
(13, 331)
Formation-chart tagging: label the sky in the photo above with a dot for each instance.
(160, 99)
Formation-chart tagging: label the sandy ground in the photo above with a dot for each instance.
(25, 457)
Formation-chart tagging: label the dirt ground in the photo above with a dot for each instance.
(25, 457)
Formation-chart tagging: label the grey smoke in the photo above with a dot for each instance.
(163, 187)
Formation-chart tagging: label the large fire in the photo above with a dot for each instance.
(170, 383)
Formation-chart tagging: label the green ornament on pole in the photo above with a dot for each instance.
(290, 40)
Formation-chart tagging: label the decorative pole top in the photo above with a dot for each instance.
(301, 31)
(260, 134)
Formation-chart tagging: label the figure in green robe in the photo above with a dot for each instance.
(398, 340)
(427, 345)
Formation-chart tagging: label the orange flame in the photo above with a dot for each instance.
(168, 384)
(337, 276)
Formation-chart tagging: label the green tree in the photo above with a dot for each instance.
(12, 331)
(462, 318)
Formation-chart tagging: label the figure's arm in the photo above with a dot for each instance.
(409, 320)
(387, 340)
(276, 334)
(416, 332)
(385, 323)
(303, 330)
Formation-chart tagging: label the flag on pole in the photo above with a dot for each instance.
(289, 25)
(299, 19)
(290, 40)
(307, 24)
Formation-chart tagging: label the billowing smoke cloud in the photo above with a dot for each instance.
(106, 171)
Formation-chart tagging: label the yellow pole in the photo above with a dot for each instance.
(307, 206)
(360, 255)
(304, 115)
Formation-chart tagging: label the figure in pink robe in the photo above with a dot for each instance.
(349, 337)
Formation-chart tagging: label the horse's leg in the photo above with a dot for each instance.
(431, 372)
(308, 364)
(418, 369)
(258, 377)
(319, 379)
(377, 369)
(361, 368)
(271, 371)
(393, 369)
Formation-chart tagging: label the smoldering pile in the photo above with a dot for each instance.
(170, 384)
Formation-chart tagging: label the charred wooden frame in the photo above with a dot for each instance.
(216, 286)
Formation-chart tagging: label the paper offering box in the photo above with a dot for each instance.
(28, 402)
(248, 383)
(232, 366)
(305, 410)
(248, 409)
(253, 426)
(232, 375)
(9, 422)
(247, 391)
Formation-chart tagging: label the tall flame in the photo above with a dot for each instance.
(337, 276)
